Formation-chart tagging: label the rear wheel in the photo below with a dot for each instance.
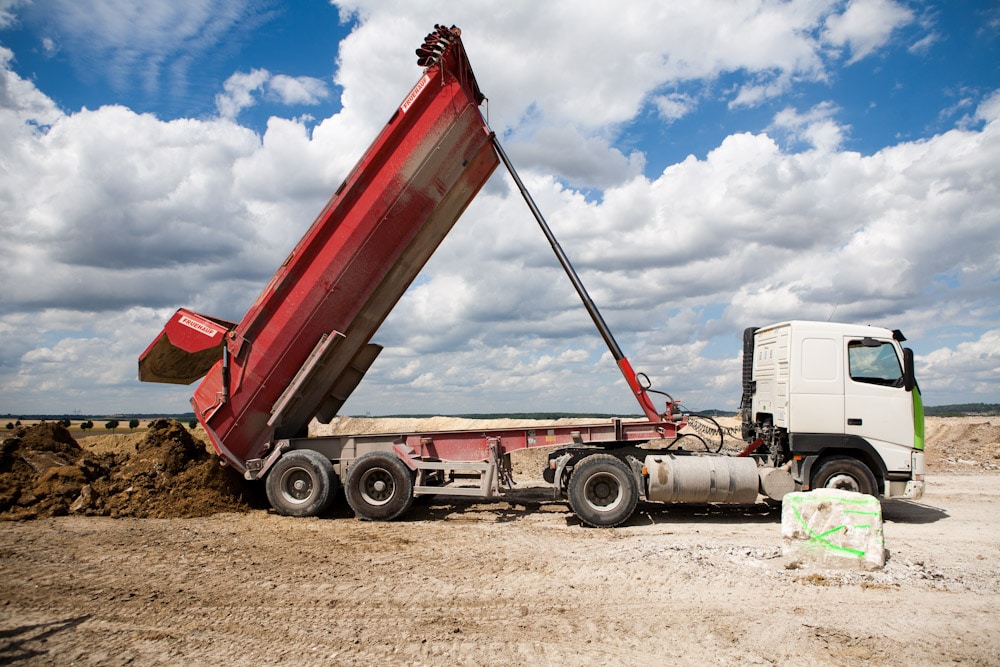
(602, 491)
(379, 486)
(301, 483)
(847, 474)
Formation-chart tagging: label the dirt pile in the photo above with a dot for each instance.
(963, 444)
(45, 472)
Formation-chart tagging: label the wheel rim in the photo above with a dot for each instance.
(377, 486)
(603, 492)
(844, 482)
(296, 485)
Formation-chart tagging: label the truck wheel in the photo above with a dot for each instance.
(301, 483)
(847, 474)
(379, 486)
(602, 491)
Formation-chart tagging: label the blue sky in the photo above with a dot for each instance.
(708, 166)
(79, 67)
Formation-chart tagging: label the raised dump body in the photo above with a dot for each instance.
(304, 345)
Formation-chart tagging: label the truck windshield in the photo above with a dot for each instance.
(874, 364)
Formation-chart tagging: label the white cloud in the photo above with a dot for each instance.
(815, 127)
(674, 106)
(924, 44)
(866, 25)
(970, 367)
(137, 44)
(989, 109)
(90, 368)
(590, 68)
(293, 90)
(7, 12)
(238, 92)
(49, 47)
(113, 218)
(584, 161)
(763, 88)
(753, 232)
(756, 233)
(22, 106)
(242, 89)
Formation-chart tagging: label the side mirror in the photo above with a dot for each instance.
(909, 377)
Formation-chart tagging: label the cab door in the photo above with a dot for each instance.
(877, 406)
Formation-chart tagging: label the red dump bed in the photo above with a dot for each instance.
(304, 344)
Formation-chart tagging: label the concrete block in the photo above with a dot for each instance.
(834, 528)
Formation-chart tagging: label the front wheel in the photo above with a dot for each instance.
(379, 486)
(846, 474)
(602, 491)
(301, 483)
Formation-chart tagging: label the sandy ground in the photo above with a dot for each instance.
(515, 581)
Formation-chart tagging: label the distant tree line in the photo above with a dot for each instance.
(85, 425)
(963, 410)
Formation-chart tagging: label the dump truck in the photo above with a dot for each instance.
(812, 415)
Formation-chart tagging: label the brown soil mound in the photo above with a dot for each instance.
(45, 472)
(963, 444)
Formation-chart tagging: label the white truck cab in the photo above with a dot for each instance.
(838, 403)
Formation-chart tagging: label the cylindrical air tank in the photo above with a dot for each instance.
(701, 479)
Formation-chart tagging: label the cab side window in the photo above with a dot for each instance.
(874, 362)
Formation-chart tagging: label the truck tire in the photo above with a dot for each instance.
(301, 483)
(602, 491)
(379, 486)
(847, 474)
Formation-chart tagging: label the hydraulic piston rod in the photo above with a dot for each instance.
(602, 327)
